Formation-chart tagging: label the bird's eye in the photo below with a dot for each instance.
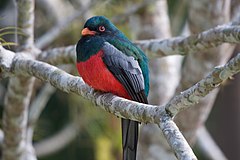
(101, 28)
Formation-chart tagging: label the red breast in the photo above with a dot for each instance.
(95, 73)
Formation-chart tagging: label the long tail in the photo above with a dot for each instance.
(130, 131)
(129, 139)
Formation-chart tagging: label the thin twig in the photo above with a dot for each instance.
(58, 141)
(56, 30)
(39, 104)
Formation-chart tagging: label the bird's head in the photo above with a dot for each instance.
(99, 25)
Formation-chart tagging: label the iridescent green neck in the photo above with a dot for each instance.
(88, 46)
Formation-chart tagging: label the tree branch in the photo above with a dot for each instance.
(164, 77)
(61, 55)
(20, 88)
(17, 99)
(192, 95)
(108, 102)
(196, 66)
(193, 43)
(129, 11)
(39, 104)
(26, 23)
(120, 106)
(58, 141)
(55, 31)
(175, 138)
(159, 48)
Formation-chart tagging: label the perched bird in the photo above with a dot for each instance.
(109, 62)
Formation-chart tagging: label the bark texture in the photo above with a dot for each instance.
(202, 15)
(17, 98)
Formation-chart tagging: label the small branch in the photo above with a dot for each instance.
(58, 141)
(56, 30)
(51, 9)
(235, 7)
(61, 55)
(1, 138)
(186, 45)
(39, 104)
(26, 23)
(207, 145)
(192, 95)
(129, 11)
(36, 109)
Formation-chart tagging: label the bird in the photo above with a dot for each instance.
(109, 62)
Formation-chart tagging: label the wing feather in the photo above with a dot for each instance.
(127, 70)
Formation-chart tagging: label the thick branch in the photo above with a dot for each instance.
(202, 88)
(113, 104)
(144, 113)
(122, 107)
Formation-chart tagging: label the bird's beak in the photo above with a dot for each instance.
(86, 31)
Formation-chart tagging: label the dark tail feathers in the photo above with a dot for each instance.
(129, 139)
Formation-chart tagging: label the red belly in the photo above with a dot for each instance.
(95, 73)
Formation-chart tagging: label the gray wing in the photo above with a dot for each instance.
(127, 70)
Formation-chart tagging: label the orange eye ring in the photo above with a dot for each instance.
(101, 28)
